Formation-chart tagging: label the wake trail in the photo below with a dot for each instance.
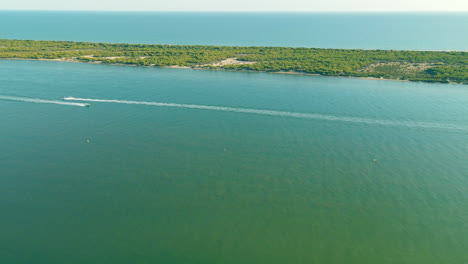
(282, 113)
(40, 101)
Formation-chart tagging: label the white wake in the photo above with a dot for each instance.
(281, 113)
(40, 101)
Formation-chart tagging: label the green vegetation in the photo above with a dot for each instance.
(429, 66)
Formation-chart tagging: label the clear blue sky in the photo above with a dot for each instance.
(238, 5)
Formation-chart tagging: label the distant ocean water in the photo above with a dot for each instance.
(408, 31)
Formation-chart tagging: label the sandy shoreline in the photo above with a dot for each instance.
(202, 67)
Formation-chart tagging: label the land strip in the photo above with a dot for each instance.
(427, 66)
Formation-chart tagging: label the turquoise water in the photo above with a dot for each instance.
(163, 184)
(239, 167)
(413, 31)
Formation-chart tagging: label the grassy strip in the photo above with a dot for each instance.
(428, 66)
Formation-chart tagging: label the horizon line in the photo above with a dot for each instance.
(243, 11)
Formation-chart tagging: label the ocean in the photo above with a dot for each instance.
(195, 166)
(401, 31)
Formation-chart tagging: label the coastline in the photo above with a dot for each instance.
(414, 66)
(218, 69)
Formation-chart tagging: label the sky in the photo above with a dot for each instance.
(238, 5)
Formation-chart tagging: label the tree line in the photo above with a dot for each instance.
(430, 66)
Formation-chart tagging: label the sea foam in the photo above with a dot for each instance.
(40, 101)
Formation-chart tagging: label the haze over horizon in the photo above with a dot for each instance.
(240, 5)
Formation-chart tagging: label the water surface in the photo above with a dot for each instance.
(177, 185)
(408, 31)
